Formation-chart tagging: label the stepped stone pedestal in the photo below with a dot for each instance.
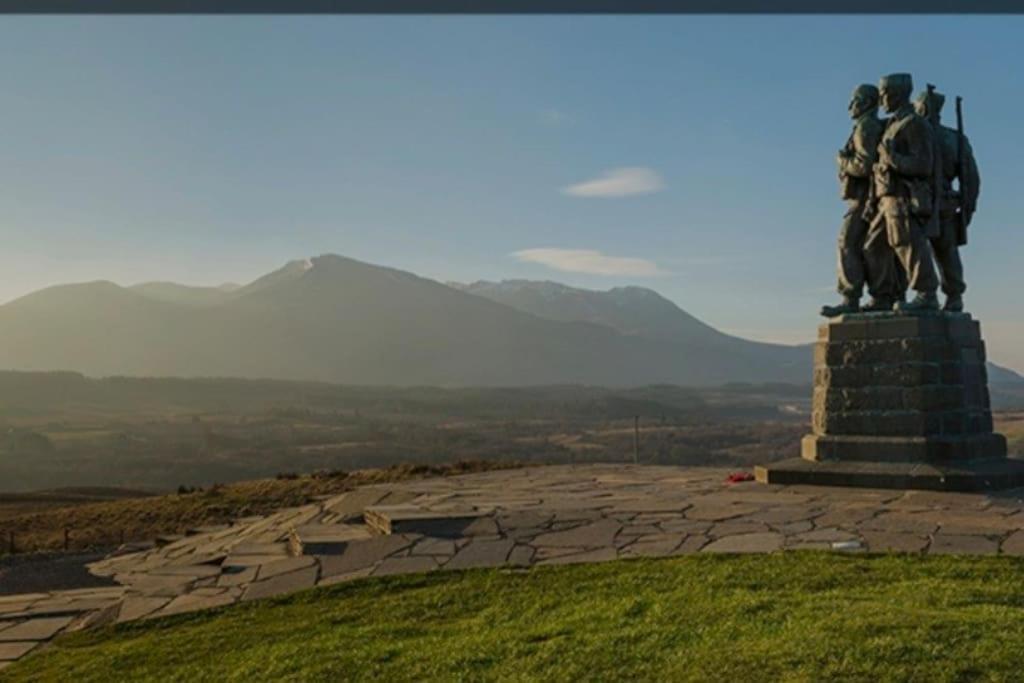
(900, 401)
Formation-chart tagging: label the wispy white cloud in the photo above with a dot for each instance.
(589, 261)
(619, 182)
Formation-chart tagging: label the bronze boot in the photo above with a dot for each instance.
(878, 304)
(848, 305)
(924, 301)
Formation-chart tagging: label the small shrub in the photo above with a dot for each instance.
(330, 474)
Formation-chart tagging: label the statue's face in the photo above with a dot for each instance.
(860, 102)
(854, 106)
(923, 107)
(893, 99)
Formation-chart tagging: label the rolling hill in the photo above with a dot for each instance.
(633, 311)
(643, 312)
(335, 319)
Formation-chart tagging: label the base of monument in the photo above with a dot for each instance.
(973, 475)
(907, 449)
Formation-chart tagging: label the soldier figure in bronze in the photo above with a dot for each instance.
(903, 185)
(860, 263)
(956, 206)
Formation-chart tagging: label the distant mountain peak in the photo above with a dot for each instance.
(552, 287)
(334, 318)
(289, 272)
(630, 310)
(637, 291)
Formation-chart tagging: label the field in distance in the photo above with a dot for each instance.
(63, 429)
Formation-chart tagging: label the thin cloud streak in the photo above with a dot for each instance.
(589, 261)
(619, 182)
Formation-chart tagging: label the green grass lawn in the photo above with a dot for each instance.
(804, 616)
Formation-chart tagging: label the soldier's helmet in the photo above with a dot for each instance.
(897, 83)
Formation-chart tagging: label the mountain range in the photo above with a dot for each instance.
(335, 319)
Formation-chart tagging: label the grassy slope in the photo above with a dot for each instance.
(797, 616)
(143, 519)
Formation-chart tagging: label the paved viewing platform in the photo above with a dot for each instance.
(516, 518)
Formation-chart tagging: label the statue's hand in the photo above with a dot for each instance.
(885, 161)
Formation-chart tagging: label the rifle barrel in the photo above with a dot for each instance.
(961, 168)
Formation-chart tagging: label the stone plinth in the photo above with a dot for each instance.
(412, 519)
(900, 401)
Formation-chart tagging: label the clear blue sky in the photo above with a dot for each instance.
(211, 149)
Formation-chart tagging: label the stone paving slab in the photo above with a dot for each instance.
(596, 555)
(282, 584)
(593, 535)
(22, 597)
(136, 607)
(191, 602)
(237, 576)
(444, 547)
(242, 561)
(759, 542)
(15, 607)
(653, 546)
(13, 651)
(34, 629)
(284, 566)
(479, 553)
(531, 516)
(363, 555)
(886, 541)
(416, 519)
(410, 564)
(959, 544)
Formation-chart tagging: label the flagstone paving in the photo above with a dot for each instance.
(516, 518)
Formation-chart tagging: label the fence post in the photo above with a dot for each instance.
(67, 539)
(636, 439)
(10, 542)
